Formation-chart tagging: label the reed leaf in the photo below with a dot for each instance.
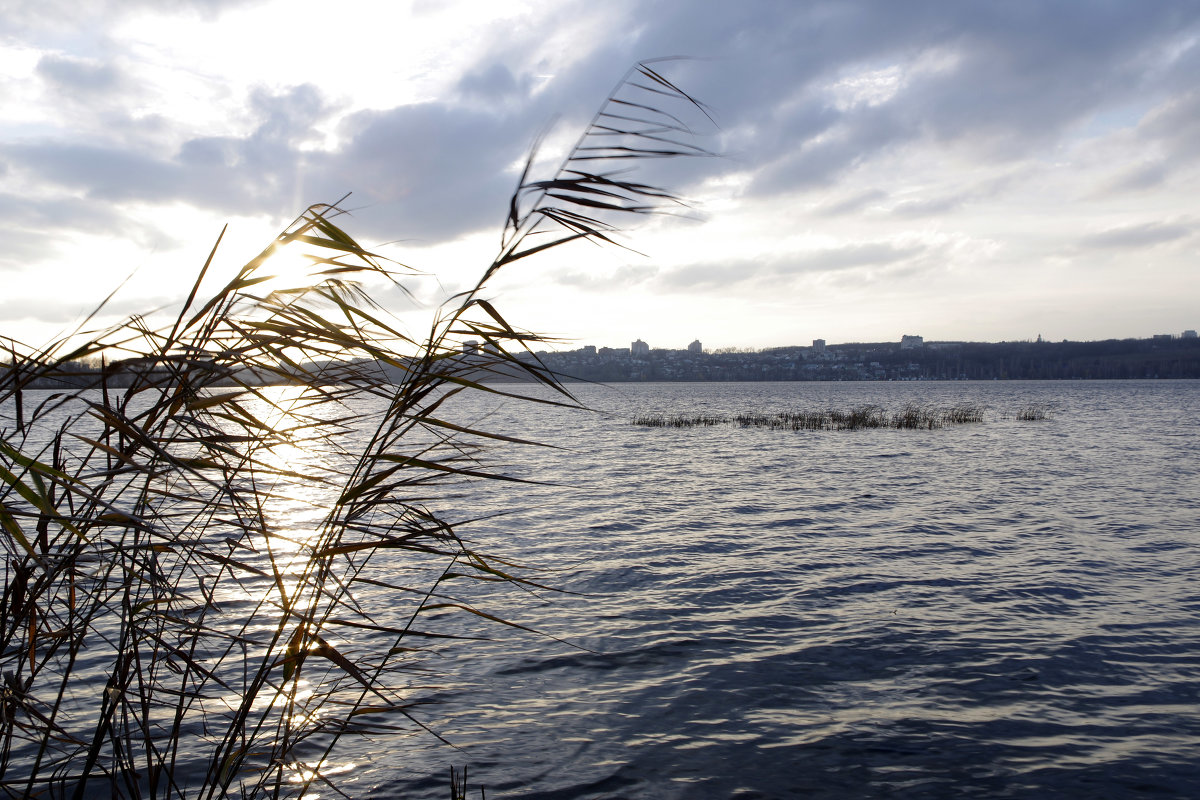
(149, 554)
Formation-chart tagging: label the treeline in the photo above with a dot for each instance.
(1113, 359)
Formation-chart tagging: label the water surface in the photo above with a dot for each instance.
(1004, 609)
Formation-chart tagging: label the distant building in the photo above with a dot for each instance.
(639, 348)
(695, 347)
(911, 342)
(1163, 337)
(589, 349)
(470, 347)
(818, 345)
(1188, 335)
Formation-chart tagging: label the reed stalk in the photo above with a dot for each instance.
(207, 586)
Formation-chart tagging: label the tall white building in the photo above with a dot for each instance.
(639, 348)
(695, 347)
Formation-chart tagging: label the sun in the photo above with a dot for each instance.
(286, 270)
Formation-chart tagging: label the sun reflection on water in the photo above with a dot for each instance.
(296, 472)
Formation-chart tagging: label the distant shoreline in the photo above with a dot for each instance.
(1114, 359)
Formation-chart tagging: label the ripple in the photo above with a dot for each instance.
(1004, 610)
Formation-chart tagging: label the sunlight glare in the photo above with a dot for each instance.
(287, 270)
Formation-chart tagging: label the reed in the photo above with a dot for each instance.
(964, 413)
(1034, 413)
(182, 619)
(678, 421)
(863, 417)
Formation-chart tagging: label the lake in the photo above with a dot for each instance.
(1006, 608)
(1000, 609)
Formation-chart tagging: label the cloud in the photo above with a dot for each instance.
(837, 259)
(441, 170)
(491, 83)
(1175, 126)
(1138, 236)
(825, 109)
(100, 172)
(29, 226)
(437, 169)
(986, 80)
(623, 278)
(724, 275)
(72, 76)
(730, 275)
(923, 75)
(288, 117)
(55, 311)
(854, 204)
(930, 206)
(42, 16)
(1142, 177)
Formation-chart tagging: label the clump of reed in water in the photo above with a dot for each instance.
(963, 414)
(678, 421)
(1034, 413)
(862, 417)
(172, 626)
(787, 420)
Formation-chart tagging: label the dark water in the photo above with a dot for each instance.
(1004, 609)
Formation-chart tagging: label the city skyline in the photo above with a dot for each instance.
(903, 340)
(971, 171)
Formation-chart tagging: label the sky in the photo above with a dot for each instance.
(957, 170)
